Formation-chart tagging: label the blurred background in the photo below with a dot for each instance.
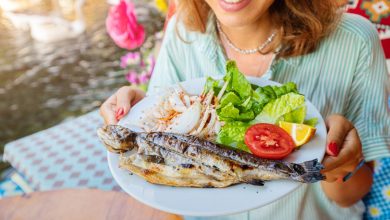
(58, 62)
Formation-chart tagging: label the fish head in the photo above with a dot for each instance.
(117, 139)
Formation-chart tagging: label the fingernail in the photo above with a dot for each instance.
(119, 113)
(333, 149)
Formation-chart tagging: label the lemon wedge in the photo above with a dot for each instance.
(300, 133)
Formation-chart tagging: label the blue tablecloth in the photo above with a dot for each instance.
(378, 200)
(68, 155)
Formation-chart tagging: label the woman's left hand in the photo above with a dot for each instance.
(344, 149)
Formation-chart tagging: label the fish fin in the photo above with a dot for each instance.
(308, 171)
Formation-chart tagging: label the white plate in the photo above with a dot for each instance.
(213, 202)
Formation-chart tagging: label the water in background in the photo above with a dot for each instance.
(43, 84)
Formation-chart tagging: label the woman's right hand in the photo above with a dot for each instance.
(119, 104)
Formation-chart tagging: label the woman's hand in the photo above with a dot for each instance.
(344, 152)
(344, 149)
(119, 104)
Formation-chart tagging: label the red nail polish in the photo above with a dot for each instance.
(333, 149)
(119, 113)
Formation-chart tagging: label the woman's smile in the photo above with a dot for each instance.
(233, 5)
(240, 13)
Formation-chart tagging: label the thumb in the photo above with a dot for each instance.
(107, 110)
(125, 96)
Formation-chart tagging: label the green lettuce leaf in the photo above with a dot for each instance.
(237, 81)
(296, 116)
(279, 107)
(257, 107)
(311, 122)
(246, 105)
(232, 134)
(246, 116)
(264, 95)
(268, 91)
(229, 97)
(228, 112)
(211, 84)
(285, 88)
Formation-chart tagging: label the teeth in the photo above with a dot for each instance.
(232, 1)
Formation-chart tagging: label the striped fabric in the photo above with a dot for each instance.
(346, 75)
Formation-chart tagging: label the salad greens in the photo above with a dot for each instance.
(236, 81)
(311, 122)
(211, 84)
(232, 134)
(281, 106)
(296, 116)
(242, 104)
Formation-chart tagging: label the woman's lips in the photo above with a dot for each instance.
(233, 5)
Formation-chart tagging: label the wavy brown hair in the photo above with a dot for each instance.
(303, 23)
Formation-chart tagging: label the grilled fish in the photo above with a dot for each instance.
(185, 160)
(171, 176)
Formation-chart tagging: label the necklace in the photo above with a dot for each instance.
(246, 51)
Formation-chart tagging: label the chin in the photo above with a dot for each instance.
(236, 13)
(234, 21)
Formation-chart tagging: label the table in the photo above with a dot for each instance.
(78, 204)
(68, 155)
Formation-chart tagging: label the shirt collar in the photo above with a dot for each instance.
(209, 45)
(293, 61)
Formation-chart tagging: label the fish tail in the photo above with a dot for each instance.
(307, 172)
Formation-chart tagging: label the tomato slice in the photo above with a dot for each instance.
(269, 141)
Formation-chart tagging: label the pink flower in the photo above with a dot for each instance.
(132, 77)
(122, 26)
(144, 78)
(131, 58)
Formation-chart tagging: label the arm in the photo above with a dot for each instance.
(363, 130)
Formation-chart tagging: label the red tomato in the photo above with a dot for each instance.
(269, 141)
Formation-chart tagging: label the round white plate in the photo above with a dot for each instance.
(210, 201)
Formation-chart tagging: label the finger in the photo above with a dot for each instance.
(353, 140)
(350, 154)
(331, 163)
(139, 95)
(330, 178)
(338, 128)
(125, 96)
(107, 110)
(346, 166)
(333, 177)
(338, 172)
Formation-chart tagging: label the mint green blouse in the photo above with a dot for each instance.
(346, 75)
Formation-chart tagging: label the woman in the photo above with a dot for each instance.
(336, 61)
